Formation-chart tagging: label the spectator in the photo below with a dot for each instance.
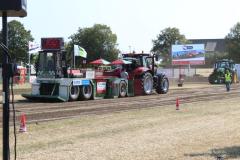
(124, 73)
(228, 80)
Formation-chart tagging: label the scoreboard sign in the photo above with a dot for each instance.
(52, 43)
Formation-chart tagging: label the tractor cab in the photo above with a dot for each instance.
(143, 61)
(138, 60)
(224, 64)
(51, 60)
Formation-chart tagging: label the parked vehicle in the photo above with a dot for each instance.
(220, 67)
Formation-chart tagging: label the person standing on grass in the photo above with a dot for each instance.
(228, 80)
(124, 73)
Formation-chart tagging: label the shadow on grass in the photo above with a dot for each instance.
(38, 100)
(220, 153)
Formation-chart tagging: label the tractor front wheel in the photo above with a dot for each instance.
(162, 85)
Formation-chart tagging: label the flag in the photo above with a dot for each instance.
(79, 51)
(33, 47)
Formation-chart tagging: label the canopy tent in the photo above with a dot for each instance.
(120, 61)
(100, 62)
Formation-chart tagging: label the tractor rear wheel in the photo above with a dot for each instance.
(122, 89)
(147, 83)
(162, 85)
(86, 92)
(74, 93)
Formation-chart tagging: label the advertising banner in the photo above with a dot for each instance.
(193, 54)
(101, 87)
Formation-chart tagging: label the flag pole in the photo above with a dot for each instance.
(29, 66)
(73, 60)
(74, 50)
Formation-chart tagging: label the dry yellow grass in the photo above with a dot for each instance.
(198, 131)
(19, 86)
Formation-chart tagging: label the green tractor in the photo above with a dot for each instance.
(220, 67)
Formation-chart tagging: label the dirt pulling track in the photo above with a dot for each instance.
(38, 112)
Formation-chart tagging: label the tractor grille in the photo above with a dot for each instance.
(49, 89)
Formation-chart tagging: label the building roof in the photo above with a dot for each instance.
(211, 45)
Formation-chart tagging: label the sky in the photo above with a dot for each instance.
(135, 22)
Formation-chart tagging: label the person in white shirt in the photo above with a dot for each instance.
(124, 73)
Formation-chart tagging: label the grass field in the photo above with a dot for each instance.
(197, 131)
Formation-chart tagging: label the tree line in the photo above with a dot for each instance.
(100, 42)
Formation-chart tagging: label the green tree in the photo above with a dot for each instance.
(162, 45)
(233, 43)
(18, 38)
(98, 41)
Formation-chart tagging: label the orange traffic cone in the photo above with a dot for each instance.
(23, 127)
(177, 104)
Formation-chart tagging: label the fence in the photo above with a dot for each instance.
(237, 66)
(188, 72)
(170, 72)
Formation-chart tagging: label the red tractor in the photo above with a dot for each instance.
(143, 72)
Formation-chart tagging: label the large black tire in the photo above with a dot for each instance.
(122, 89)
(216, 79)
(86, 92)
(210, 79)
(147, 83)
(74, 93)
(162, 85)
